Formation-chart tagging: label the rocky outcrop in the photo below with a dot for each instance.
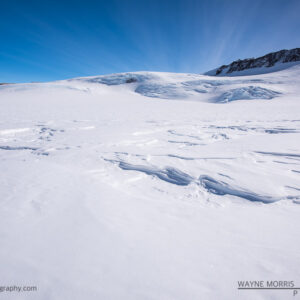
(268, 60)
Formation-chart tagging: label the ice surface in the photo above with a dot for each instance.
(165, 86)
(155, 90)
(116, 79)
(247, 93)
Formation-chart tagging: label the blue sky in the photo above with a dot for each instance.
(48, 40)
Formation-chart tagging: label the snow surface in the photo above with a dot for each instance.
(110, 191)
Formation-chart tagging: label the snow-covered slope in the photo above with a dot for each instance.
(272, 62)
(150, 186)
(191, 87)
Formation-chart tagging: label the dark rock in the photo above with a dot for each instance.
(268, 60)
(131, 80)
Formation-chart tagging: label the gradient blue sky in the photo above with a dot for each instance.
(48, 40)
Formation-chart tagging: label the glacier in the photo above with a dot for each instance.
(150, 185)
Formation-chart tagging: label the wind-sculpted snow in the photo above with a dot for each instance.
(220, 188)
(269, 130)
(17, 148)
(279, 154)
(167, 174)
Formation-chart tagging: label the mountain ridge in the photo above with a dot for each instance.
(270, 62)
